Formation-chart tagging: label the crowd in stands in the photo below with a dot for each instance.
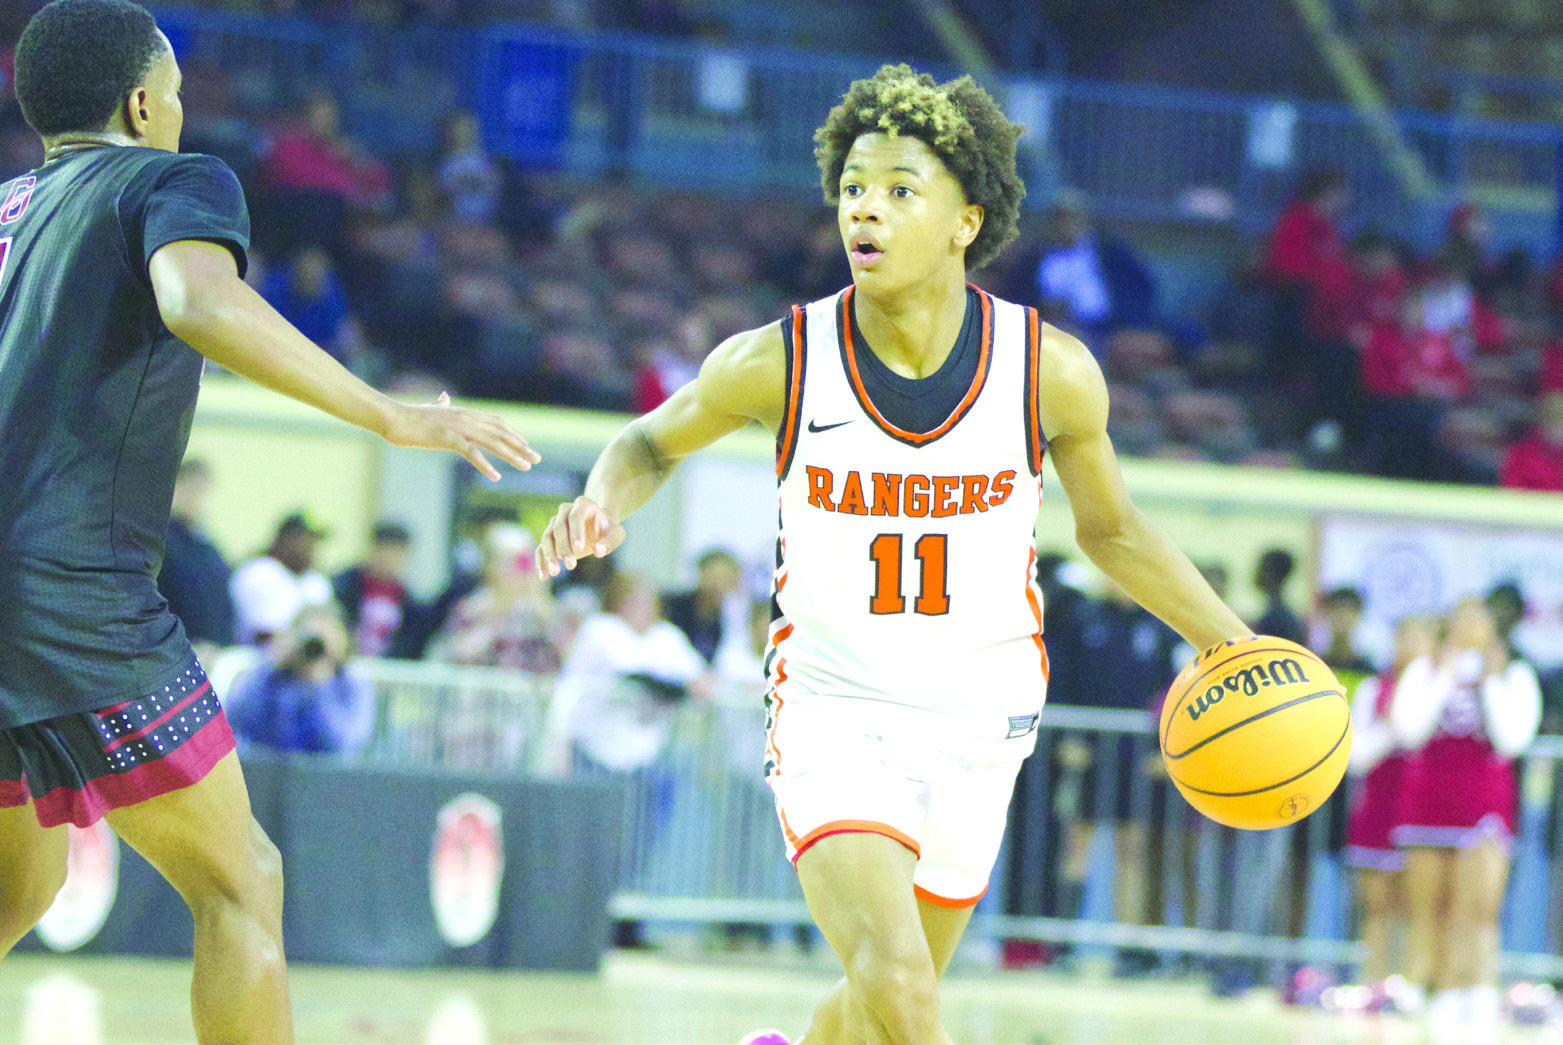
(279, 634)
(452, 267)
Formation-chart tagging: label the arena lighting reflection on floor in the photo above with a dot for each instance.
(458, 1020)
(60, 1009)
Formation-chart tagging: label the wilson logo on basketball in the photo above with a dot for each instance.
(1250, 680)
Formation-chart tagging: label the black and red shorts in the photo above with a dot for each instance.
(78, 767)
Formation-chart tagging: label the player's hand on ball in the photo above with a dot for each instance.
(440, 426)
(580, 528)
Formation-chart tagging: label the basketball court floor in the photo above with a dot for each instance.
(641, 1000)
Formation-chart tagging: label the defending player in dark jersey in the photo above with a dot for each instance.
(121, 266)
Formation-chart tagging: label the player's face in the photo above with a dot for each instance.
(164, 113)
(903, 216)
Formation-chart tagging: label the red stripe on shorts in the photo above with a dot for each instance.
(12, 793)
(200, 691)
(184, 765)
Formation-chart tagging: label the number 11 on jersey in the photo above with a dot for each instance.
(933, 599)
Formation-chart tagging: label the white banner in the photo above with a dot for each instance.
(1404, 567)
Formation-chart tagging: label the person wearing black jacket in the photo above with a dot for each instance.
(194, 577)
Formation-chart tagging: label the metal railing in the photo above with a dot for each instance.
(1102, 852)
(663, 109)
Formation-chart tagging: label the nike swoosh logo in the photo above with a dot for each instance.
(825, 428)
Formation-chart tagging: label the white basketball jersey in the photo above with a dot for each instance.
(906, 561)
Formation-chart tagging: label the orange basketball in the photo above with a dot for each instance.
(1255, 732)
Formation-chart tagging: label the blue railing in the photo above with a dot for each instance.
(741, 119)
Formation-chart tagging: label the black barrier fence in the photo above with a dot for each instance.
(394, 859)
(385, 867)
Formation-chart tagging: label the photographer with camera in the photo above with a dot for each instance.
(302, 697)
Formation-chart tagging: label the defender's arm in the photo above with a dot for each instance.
(1113, 533)
(741, 381)
(205, 304)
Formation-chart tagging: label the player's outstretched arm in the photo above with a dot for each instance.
(1113, 533)
(206, 305)
(741, 381)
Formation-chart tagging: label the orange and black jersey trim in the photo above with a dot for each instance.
(1036, 442)
(855, 359)
(792, 352)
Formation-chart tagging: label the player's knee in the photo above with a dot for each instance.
(249, 882)
(267, 872)
(897, 987)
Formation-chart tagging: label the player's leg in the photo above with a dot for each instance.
(1376, 889)
(205, 841)
(859, 889)
(32, 867)
(1426, 891)
(943, 928)
(1476, 901)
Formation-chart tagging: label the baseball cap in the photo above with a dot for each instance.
(296, 523)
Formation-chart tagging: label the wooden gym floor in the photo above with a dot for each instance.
(643, 1000)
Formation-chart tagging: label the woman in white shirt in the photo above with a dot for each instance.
(626, 675)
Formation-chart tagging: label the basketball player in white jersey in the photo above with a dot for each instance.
(906, 664)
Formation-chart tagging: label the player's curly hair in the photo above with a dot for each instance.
(958, 120)
(78, 59)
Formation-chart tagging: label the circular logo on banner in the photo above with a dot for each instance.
(91, 885)
(466, 868)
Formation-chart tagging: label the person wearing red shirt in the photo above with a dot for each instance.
(1536, 462)
(1409, 374)
(1349, 295)
(1304, 246)
(314, 173)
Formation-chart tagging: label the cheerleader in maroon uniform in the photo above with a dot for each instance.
(1466, 713)
(1378, 762)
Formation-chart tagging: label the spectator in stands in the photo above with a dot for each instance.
(1410, 375)
(1090, 283)
(373, 595)
(271, 589)
(468, 177)
(314, 174)
(628, 672)
(1270, 576)
(309, 295)
(1305, 243)
(1342, 612)
(1536, 461)
(704, 613)
(1128, 653)
(507, 621)
(1449, 305)
(670, 364)
(304, 697)
(194, 577)
(1348, 295)
(1468, 248)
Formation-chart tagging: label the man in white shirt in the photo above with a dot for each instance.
(270, 590)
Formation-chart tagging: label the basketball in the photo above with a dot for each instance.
(1255, 732)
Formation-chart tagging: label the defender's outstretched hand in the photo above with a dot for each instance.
(580, 528)
(440, 426)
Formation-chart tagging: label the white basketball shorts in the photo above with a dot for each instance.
(843, 764)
